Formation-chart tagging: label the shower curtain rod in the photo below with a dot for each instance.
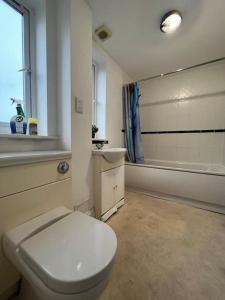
(181, 70)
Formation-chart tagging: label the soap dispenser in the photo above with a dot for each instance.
(18, 123)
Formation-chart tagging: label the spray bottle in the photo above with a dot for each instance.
(18, 123)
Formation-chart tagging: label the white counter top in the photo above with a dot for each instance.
(19, 158)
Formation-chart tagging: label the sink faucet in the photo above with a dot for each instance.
(100, 145)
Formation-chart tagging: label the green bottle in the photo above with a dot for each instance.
(18, 123)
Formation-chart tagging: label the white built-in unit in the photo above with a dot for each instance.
(31, 184)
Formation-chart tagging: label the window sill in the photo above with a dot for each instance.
(21, 158)
(27, 137)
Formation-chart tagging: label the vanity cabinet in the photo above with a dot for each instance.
(109, 185)
(112, 187)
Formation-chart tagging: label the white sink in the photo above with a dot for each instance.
(111, 155)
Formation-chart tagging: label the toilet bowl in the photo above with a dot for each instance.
(62, 255)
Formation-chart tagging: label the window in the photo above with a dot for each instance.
(99, 96)
(15, 69)
(94, 95)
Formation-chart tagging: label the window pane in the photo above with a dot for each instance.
(11, 59)
(93, 95)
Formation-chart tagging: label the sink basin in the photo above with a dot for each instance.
(111, 155)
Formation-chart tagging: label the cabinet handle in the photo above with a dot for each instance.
(63, 167)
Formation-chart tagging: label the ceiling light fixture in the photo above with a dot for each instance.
(171, 21)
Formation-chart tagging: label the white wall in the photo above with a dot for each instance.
(81, 74)
(115, 79)
(64, 74)
(114, 115)
(190, 100)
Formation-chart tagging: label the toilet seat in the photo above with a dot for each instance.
(72, 255)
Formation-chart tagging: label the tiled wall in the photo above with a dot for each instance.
(189, 100)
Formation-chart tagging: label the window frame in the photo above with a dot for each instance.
(94, 94)
(26, 68)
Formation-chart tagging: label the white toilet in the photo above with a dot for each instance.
(62, 255)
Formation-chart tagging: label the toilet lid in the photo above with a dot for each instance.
(72, 255)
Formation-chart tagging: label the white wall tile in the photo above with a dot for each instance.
(204, 110)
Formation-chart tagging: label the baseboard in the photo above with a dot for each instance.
(195, 203)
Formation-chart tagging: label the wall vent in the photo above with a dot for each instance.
(103, 33)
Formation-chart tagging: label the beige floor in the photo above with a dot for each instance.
(167, 251)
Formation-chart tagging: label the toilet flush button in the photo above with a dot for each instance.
(63, 167)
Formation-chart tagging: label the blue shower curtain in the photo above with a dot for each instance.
(132, 128)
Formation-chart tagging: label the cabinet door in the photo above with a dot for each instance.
(119, 183)
(108, 190)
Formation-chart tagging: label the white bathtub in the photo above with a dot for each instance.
(201, 185)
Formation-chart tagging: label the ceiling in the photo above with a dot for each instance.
(142, 50)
